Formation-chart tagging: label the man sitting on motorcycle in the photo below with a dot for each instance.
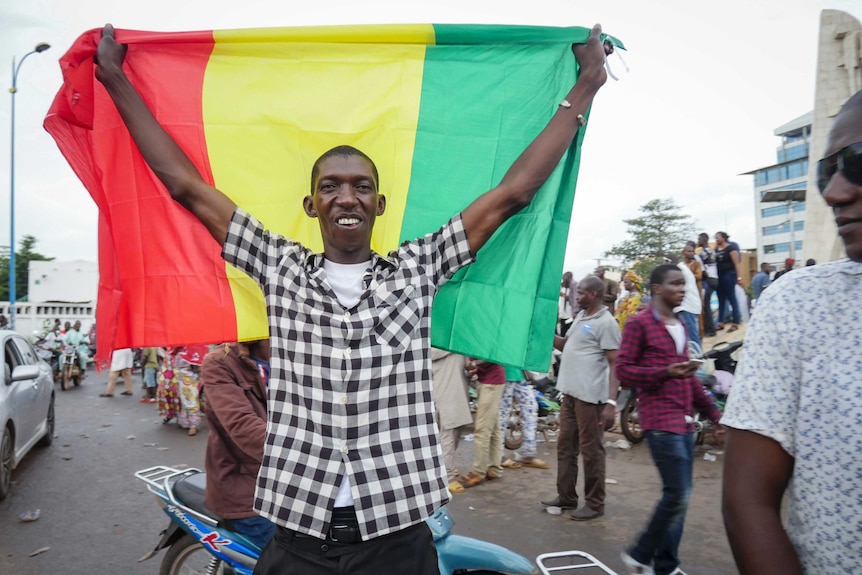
(76, 338)
(235, 378)
(51, 344)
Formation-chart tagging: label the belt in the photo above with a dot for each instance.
(343, 528)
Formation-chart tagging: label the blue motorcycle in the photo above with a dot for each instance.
(199, 542)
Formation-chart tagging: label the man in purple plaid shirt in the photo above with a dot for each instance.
(653, 358)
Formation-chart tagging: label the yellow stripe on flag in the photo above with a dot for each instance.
(271, 109)
(350, 34)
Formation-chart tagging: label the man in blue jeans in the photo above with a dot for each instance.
(706, 255)
(689, 310)
(653, 358)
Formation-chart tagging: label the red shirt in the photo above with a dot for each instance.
(663, 402)
(492, 373)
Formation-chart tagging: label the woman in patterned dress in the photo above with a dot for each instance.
(179, 387)
(631, 304)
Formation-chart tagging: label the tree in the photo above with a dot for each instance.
(23, 256)
(659, 231)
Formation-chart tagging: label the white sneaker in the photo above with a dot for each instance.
(677, 571)
(635, 567)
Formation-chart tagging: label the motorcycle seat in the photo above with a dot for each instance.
(189, 490)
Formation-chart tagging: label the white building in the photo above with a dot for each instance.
(57, 290)
(55, 281)
(779, 195)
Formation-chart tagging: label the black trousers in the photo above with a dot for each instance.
(410, 551)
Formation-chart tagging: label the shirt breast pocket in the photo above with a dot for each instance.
(397, 317)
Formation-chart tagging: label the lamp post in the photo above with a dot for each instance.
(41, 47)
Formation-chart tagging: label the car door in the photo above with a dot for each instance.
(23, 395)
(43, 385)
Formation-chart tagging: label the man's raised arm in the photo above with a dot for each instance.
(162, 154)
(535, 164)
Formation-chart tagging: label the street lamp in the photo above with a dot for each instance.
(41, 47)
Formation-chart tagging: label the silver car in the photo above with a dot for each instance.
(26, 404)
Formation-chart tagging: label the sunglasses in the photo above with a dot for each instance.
(847, 160)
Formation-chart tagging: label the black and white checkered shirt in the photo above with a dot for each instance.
(351, 388)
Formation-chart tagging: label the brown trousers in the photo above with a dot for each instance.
(112, 380)
(581, 433)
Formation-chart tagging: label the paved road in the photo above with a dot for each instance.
(96, 518)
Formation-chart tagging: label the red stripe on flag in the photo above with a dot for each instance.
(160, 270)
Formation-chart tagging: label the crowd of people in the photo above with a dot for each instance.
(649, 344)
(171, 379)
(646, 336)
(62, 334)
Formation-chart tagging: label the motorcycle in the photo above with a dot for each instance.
(71, 371)
(630, 419)
(717, 384)
(199, 542)
(724, 362)
(547, 420)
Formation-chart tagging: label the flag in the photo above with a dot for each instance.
(443, 110)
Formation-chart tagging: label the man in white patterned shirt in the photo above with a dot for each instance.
(794, 410)
(352, 466)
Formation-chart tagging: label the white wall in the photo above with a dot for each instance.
(69, 281)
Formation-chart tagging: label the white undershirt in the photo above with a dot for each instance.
(677, 332)
(346, 281)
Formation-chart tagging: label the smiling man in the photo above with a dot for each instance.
(352, 465)
(794, 411)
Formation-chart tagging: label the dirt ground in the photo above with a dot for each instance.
(507, 511)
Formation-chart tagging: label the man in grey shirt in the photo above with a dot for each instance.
(587, 381)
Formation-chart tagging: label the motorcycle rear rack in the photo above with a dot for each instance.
(160, 481)
(571, 561)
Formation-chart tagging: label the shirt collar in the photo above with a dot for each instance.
(597, 314)
(315, 261)
(655, 314)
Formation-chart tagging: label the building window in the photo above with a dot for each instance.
(797, 169)
(777, 174)
(781, 209)
(783, 228)
(783, 247)
(791, 153)
(774, 211)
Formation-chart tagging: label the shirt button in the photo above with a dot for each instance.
(344, 449)
(347, 352)
(347, 315)
(344, 399)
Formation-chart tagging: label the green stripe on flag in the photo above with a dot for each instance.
(481, 106)
(466, 34)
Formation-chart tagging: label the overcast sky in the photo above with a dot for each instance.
(705, 92)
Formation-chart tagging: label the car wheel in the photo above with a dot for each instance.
(6, 450)
(48, 438)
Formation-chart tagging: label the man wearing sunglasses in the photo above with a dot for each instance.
(794, 412)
